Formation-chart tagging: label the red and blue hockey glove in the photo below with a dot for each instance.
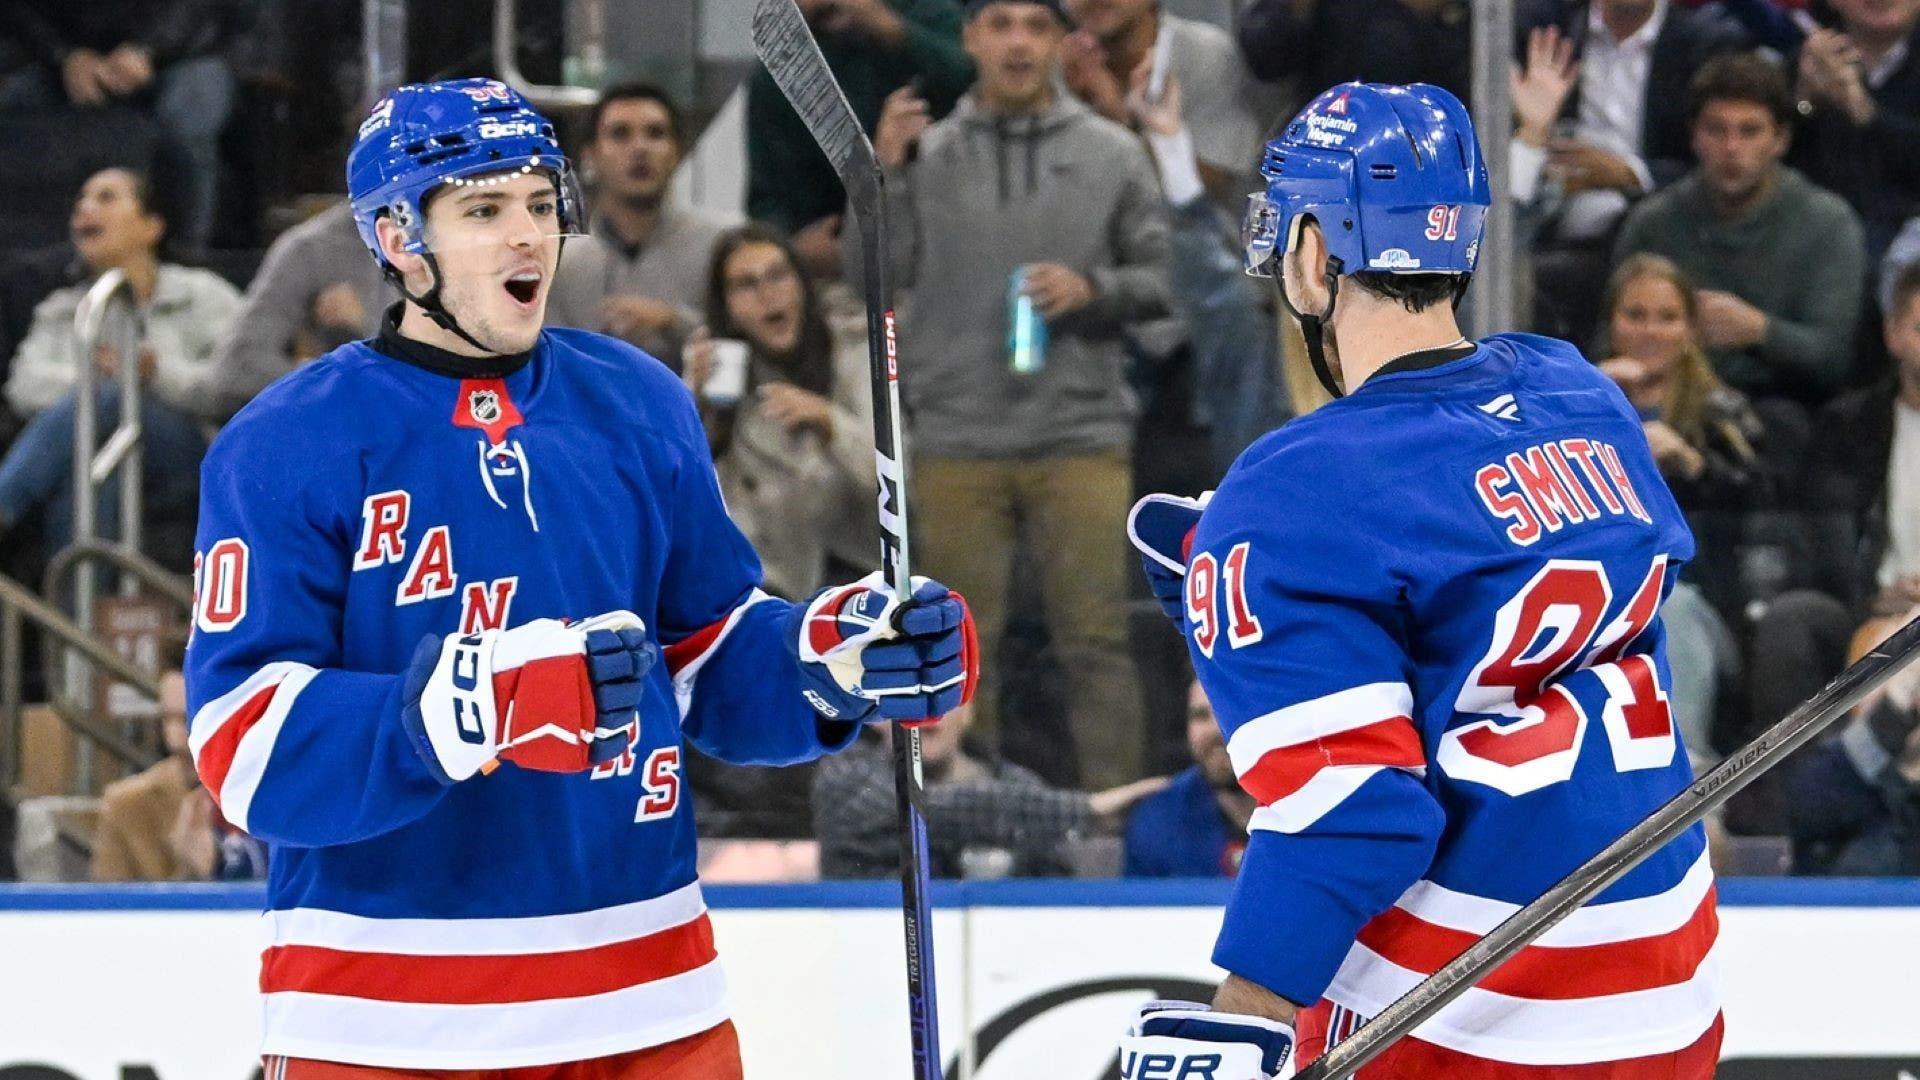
(1162, 527)
(547, 695)
(864, 655)
(1174, 1039)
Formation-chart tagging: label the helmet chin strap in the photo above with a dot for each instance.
(1313, 327)
(429, 302)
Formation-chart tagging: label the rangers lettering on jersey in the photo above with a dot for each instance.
(421, 926)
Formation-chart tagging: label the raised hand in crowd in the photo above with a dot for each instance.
(1540, 87)
(1728, 322)
(1157, 118)
(1057, 290)
(1831, 73)
(80, 74)
(126, 70)
(1083, 66)
(903, 118)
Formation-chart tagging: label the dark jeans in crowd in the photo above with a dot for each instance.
(37, 472)
(192, 100)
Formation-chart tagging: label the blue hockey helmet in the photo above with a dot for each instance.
(426, 135)
(1393, 174)
(1395, 179)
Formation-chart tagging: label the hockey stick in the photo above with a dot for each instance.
(791, 55)
(1679, 814)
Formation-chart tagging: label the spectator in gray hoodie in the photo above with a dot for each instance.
(1024, 193)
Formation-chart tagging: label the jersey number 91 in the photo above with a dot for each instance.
(1550, 663)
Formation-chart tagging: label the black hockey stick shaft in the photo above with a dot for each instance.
(1679, 814)
(787, 47)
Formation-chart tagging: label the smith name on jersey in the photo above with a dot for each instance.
(1427, 616)
(363, 503)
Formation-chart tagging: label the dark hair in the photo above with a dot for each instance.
(1415, 292)
(637, 91)
(810, 365)
(1906, 289)
(148, 199)
(1741, 76)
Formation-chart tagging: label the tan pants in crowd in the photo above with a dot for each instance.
(967, 515)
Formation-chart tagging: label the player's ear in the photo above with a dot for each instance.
(1304, 267)
(393, 247)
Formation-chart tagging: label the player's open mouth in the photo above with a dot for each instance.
(524, 287)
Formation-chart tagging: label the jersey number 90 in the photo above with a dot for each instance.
(1550, 661)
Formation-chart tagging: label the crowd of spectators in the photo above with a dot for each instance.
(1719, 200)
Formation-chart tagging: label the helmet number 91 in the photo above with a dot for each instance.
(1443, 223)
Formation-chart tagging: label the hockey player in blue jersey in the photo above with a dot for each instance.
(482, 851)
(1427, 615)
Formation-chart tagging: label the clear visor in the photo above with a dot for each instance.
(1260, 235)
(490, 210)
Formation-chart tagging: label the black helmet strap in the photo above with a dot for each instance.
(1313, 327)
(429, 301)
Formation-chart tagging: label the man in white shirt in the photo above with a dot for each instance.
(1622, 131)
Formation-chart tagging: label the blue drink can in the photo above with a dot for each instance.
(1026, 328)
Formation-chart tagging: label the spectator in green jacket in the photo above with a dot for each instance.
(874, 47)
(1780, 262)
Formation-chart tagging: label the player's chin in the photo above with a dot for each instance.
(515, 330)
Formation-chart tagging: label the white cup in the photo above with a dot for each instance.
(727, 382)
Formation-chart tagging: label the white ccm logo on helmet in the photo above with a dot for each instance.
(508, 130)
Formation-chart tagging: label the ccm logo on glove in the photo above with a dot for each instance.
(548, 695)
(866, 655)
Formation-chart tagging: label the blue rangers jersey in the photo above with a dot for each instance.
(1427, 616)
(518, 918)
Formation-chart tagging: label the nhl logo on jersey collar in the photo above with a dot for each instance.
(485, 404)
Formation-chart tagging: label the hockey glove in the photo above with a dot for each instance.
(866, 656)
(1162, 527)
(1174, 1039)
(548, 695)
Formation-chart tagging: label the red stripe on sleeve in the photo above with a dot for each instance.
(216, 757)
(1553, 973)
(488, 980)
(693, 646)
(1283, 771)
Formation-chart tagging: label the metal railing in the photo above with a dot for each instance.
(94, 469)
